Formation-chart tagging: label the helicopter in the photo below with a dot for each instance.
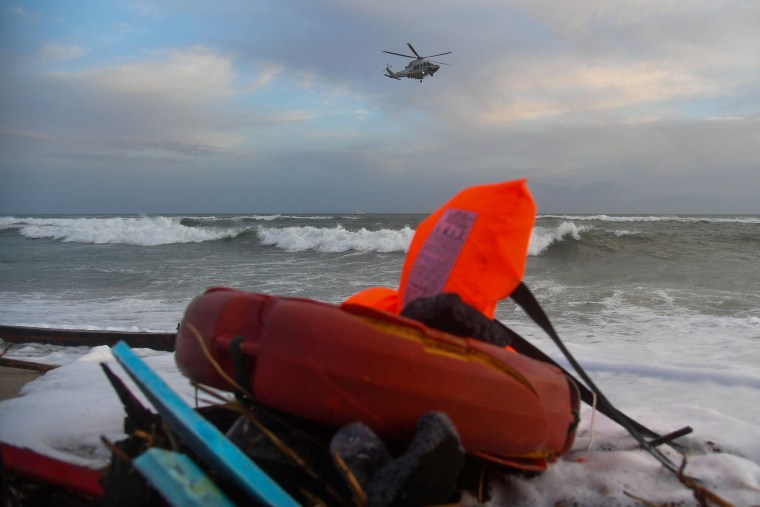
(417, 68)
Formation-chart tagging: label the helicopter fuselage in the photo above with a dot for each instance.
(418, 68)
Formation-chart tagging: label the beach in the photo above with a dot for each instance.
(660, 310)
(13, 379)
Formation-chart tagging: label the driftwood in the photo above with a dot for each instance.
(26, 365)
(72, 337)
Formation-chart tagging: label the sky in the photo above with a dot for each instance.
(649, 106)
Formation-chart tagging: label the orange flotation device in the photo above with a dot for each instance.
(337, 365)
(476, 246)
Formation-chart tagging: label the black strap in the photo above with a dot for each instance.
(242, 376)
(526, 348)
(525, 299)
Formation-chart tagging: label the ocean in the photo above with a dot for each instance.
(663, 312)
(652, 300)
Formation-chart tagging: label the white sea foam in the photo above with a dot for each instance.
(655, 351)
(336, 239)
(339, 239)
(9, 223)
(64, 413)
(80, 406)
(659, 218)
(97, 314)
(542, 238)
(674, 373)
(140, 231)
(269, 218)
(263, 218)
(307, 217)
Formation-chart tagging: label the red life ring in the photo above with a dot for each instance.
(338, 365)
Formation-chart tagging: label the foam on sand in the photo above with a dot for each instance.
(63, 414)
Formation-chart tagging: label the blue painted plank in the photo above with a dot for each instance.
(179, 480)
(201, 436)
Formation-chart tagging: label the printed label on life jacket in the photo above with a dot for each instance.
(439, 253)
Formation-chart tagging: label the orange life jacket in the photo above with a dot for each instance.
(475, 245)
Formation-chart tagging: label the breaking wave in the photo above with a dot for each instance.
(660, 218)
(154, 231)
(543, 237)
(269, 218)
(296, 233)
(139, 231)
(336, 239)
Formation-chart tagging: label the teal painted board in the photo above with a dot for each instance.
(204, 438)
(179, 480)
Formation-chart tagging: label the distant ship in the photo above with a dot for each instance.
(360, 212)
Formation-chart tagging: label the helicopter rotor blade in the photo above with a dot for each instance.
(399, 54)
(439, 54)
(413, 51)
(439, 63)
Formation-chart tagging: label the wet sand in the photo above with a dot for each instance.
(13, 379)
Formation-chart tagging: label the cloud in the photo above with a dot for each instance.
(266, 75)
(187, 97)
(602, 105)
(18, 11)
(62, 52)
(561, 88)
(175, 99)
(180, 75)
(24, 134)
(590, 60)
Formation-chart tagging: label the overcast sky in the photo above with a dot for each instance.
(281, 106)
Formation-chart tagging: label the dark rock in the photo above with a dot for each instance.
(426, 474)
(447, 312)
(361, 450)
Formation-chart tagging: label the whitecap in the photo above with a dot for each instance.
(659, 218)
(542, 238)
(336, 239)
(140, 231)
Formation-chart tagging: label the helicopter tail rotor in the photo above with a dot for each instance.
(389, 73)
